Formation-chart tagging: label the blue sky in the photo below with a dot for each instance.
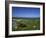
(25, 12)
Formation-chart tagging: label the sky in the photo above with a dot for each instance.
(28, 12)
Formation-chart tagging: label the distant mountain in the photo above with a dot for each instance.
(26, 17)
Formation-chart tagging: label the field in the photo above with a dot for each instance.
(21, 24)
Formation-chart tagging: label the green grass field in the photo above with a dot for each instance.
(25, 24)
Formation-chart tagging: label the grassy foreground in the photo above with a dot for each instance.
(25, 24)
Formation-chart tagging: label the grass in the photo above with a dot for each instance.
(26, 24)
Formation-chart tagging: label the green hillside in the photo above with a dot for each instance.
(25, 24)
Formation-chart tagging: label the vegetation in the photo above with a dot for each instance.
(25, 24)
